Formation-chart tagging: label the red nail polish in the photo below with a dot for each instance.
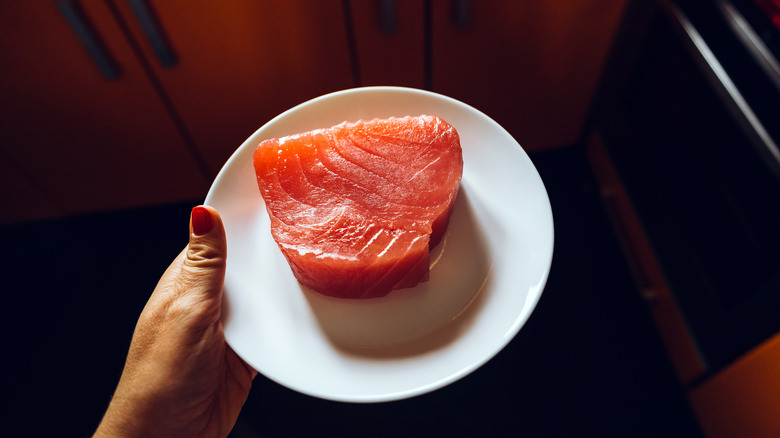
(201, 220)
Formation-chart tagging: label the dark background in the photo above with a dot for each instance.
(587, 363)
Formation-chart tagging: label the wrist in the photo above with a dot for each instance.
(124, 419)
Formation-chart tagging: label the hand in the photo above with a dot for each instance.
(180, 377)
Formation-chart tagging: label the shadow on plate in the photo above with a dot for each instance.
(424, 318)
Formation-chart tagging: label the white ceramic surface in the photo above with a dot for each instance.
(486, 276)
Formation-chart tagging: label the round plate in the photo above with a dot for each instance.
(486, 276)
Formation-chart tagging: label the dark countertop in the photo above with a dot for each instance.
(587, 363)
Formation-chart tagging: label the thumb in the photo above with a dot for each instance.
(203, 269)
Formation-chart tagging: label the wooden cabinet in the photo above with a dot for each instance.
(241, 63)
(189, 80)
(156, 133)
(743, 400)
(390, 42)
(20, 196)
(530, 65)
(84, 142)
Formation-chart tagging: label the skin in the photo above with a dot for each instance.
(180, 378)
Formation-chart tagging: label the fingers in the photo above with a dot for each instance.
(203, 267)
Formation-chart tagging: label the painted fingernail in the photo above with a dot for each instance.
(201, 219)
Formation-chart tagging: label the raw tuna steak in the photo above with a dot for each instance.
(355, 208)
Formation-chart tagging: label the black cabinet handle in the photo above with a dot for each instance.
(86, 33)
(388, 19)
(460, 13)
(153, 31)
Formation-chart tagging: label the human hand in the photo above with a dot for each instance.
(180, 377)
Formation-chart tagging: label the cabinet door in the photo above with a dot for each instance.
(22, 199)
(530, 65)
(389, 39)
(241, 63)
(91, 143)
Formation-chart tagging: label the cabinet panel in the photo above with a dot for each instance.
(92, 143)
(531, 65)
(21, 198)
(744, 399)
(390, 42)
(241, 63)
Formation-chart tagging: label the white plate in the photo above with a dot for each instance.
(486, 278)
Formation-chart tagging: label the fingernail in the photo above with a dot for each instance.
(201, 219)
